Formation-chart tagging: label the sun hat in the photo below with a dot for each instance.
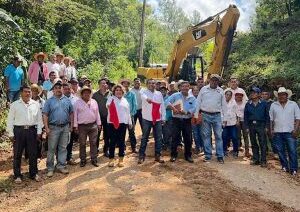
(85, 88)
(45, 56)
(35, 86)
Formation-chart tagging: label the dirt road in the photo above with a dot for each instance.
(179, 186)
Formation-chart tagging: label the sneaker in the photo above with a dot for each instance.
(284, 169)
(71, 162)
(37, 178)
(63, 170)
(189, 159)
(206, 160)
(294, 173)
(18, 180)
(50, 174)
(264, 165)
(220, 160)
(173, 159)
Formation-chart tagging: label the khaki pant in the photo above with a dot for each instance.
(91, 131)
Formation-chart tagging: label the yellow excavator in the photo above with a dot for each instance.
(181, 65)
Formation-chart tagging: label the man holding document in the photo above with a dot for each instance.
(183, 106)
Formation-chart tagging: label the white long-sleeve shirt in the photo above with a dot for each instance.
(156, 97)
(211, 100)
(230, 114)
(21, 114)
(123, 110)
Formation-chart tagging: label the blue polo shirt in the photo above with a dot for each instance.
(58, 110)
(47, 85)
(189, 104)
(15, 77)
(131, 99)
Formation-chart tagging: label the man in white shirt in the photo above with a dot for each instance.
(52, 65)
(153, 113)
(234, 88)
(24, 127)
(285, 120)
(211, 103)
(137, 89)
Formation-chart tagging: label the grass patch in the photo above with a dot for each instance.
(6, 184)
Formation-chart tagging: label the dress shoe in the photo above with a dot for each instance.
(189, 159)
(94, 163)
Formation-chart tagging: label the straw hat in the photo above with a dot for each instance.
(59, 54)
(283, 90)
(216, 76)
(124, 80)
(85, 88)
(44, 55)
(35, 86)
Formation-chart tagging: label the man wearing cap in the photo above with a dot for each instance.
(74, 86)
(38, 70)
(137, 91)
(153, 112)
(285, 120)
(24, 127)
(211, 103)
(181, 120)
(58, 120)
(74, 136)
(234, 88)
(101, 97)
(256, 118)
(14, 79)
(131, 99)
(87, 123)
(52, 65)
(172, 88)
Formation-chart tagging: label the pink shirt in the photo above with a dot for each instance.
(86, 113)
(33, 72)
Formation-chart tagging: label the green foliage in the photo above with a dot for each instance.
(269, 57)
(3, 117)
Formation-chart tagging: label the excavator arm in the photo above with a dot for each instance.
(221, 28)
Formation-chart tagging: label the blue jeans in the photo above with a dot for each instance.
(157, 132)
(13, 95)
(283, 142)
(230, 132)
(212, 121)
(58, 140)
(197, 136)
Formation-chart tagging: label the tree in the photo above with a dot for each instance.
(195, 17)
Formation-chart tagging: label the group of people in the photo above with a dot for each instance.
(66, 110)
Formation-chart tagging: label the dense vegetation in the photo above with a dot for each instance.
(269, 54)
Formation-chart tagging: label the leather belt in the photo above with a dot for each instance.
(26, 127)
(210, 113)
(59, 125)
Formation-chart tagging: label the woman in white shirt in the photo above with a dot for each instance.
(118, 119)
(229, 125)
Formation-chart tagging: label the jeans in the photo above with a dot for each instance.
(283, 142)
(58, 140)
(230, 132)
(138, 116)
(258, 131)
(197, 136)
(117, 137)
(91, 131)
(25, 139)
(13, 95)
(183, 126)
(157, 132)
(212, 121)
(131, 133)
(241, 129)
(73, 138)
(167, 133)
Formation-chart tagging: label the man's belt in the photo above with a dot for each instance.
(89, 124)
(210, 113)
(59, 125)
(26, 127)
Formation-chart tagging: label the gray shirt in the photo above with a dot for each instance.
(137, 93)
(284, 117)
